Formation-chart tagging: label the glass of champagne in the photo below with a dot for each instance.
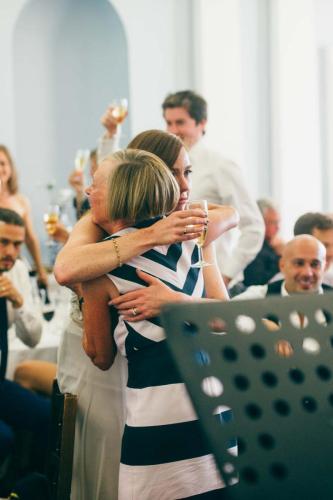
(81, 159)
(51, 218)
(119, 109)
(203, 205)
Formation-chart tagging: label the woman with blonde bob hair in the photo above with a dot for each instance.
(163, 452)
(139, 188)
(145, 187)
(10, 197)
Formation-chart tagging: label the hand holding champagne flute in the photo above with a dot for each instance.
(119, 109)
(51, 218)
(203, 205)
(81, 159)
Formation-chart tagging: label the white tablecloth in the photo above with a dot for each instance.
(47, 348)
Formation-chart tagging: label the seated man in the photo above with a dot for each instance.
(302, 265)
(19, 407)
(266, 264)
(320, 226)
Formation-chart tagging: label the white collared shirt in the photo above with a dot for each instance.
(28, 318)
(260, 292)
(220, 181)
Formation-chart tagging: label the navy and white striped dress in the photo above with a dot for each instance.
(163, 453)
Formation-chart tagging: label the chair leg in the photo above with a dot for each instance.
(60, 463)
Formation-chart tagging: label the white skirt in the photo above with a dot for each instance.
(100, 417)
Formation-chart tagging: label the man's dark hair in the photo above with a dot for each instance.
(195, 105)
(10, 217)
(306, 223)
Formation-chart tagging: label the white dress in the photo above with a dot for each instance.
(100, 418)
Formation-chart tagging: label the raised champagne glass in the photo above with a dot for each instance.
(81, 159)
(203, 205)
(119, 109)
(51, 218)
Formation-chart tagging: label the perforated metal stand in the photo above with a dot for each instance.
(277, 383)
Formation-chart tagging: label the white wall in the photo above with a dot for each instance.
(295, 116)
(232, 73)
(9, 10)
(160, 54)
(324, 39)
(260, 75)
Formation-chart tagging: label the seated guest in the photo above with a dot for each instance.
(266, 264)
(36, 375)
(11, 198)
(302, 265)
(320, 226)
(19, 407)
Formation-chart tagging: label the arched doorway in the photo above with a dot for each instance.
(70, 59)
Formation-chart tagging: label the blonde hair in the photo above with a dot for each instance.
(140, 187)
(12, 182)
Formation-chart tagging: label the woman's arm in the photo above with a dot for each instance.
(81, 259)
(98, 340)
(214, 284)
(146, 302)
(221, 219)
(32, 242)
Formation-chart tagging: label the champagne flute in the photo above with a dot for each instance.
(51, 218)
(119, 109)
(203, 205)
(81, 159)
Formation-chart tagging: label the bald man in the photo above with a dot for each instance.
(302, 264)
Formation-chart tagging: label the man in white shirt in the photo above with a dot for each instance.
(19, 407)
(15, 283)
(216, 179)
(302, 265)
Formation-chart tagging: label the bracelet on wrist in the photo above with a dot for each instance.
(117, 251)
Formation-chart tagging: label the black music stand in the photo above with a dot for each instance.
(279, 385)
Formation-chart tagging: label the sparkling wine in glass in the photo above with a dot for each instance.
(119, 109)
(81, 159)
(203, 205)
(51, 218)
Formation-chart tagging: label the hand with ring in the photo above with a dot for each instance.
(145, 302)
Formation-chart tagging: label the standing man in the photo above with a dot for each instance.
(19, 407)
(216, 179)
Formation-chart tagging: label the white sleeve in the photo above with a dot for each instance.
(253, 292)
(232, 190)
(28, 318)
(107, 145)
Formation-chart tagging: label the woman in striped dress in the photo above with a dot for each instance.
(163, 453)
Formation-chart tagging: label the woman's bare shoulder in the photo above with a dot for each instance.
(17, 202)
